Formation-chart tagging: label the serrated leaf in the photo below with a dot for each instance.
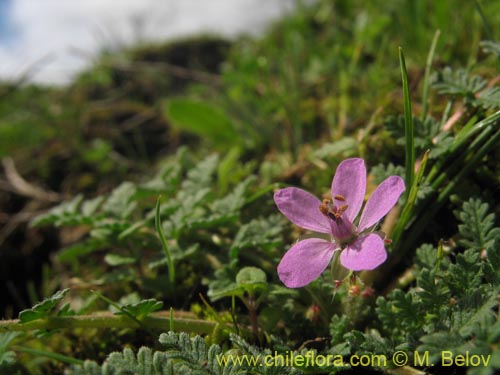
(258, 233)
(465, 274)
(43, 308)
(491, 46)
(142, 308)
(67, 213)
(459, 82)
(437, 342)
(120, 202)
(433, 292)
(478, 226)
(491, 268)
(475, 310)
(489, 98)
(233, 201)
(198, 178)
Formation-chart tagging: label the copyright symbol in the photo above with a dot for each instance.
(400, 358)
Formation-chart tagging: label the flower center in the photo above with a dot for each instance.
(343, 231)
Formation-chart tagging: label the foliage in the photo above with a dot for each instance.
(183, 355)
(43, 309)
(453, 305)
(166, 157)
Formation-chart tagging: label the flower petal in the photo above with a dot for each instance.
(305, 261)
(350, 183)
(302, 209)
(384, 197)
(366, 253)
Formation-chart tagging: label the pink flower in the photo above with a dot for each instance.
(361, 249)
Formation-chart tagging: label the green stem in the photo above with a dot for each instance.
(407, 212)
(486, 25)
(442, 197)
(51, 355)
(428, 65)
(409, 136)
(166, 249)
(108, 320)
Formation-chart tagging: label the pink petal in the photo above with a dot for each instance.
(305, 261)
(302, 209)
(381, 201)
(366, 253)
(350, 183)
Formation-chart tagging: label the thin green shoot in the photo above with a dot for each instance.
(409, 136)
(51, 355)
(428, 65)
(410, 202)
(166, 249)
(486, 25)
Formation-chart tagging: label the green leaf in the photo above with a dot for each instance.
(478, 226)
(118, 260)
(432, 291)
(7, 356)
(251, 275)
(42, 309)
(489, 98)
(199, 177)
(491, 46)
(120, 203)
(437, 342)
(459, 82)
(142, 308)
(465, 274)
(203, 120)
(491, 267)
(258, 233)
(475, 311)
(72, 253)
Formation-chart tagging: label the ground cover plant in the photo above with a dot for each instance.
(157, 234)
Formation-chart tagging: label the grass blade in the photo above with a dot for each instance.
(166, 249)
(409, 136)
(430, 58)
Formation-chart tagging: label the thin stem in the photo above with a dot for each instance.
(51, 355)
(409, 136)
(166, 249)
(428, 65)
(159, 321)
(486, 25)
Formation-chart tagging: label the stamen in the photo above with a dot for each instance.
(339, 197)
(343, 208)
(324, 207)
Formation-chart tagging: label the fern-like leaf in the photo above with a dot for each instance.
(478, 229)
(459, 82)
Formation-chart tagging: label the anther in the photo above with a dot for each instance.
(342, 208)
(324, 209)
(339, 197)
